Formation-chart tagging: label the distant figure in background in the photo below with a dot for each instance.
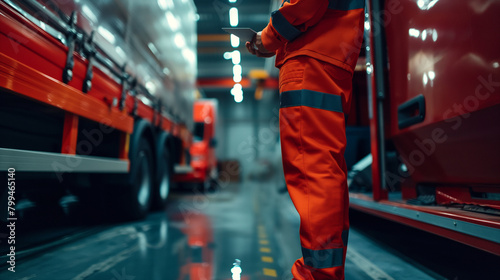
(316, 43)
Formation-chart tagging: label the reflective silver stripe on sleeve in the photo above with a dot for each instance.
(346, 5)
(309, 98)
(283, 27)
(323, 258)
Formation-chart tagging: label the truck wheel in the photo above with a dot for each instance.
(138, 189)
(202, 187)
(164, 182)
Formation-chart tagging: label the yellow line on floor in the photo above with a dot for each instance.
(267, 259)
(264, 242)
(265, 250)
(270, 272)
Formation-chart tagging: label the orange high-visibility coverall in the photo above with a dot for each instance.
(317, 43)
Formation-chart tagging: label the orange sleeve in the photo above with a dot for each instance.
(291, 20)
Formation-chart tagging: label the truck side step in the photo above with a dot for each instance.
(34, 161)
(182, 169)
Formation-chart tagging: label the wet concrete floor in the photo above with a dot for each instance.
(199, 236)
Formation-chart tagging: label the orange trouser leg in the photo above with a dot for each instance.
(314, 97)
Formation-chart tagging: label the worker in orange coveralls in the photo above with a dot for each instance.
(316, 43)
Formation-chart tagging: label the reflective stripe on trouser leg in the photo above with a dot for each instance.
(312, 99)
(325, 258)
(313, 143)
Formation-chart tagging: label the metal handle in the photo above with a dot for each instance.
(411, 112)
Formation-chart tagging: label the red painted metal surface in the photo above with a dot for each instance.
(378, 192)
(34, 55)
(222, 83)
(193, 177)
(24, 80)
(438, 154)
(70, 134)
(479, 219)
(203, 159)
(26, 46)
(446, 50)
(439, 49)
(269, 83)
(166, 124)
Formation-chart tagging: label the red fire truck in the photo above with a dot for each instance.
(203, 168)
(434, 111)
(97, 96)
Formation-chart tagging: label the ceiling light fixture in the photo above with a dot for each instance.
(106, 34)
(235, 41)
(233, 16)
(236, 57)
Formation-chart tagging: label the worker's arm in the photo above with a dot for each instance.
(291, 20)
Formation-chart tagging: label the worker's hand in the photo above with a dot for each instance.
(256, 47)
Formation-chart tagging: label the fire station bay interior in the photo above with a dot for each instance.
(169, 140)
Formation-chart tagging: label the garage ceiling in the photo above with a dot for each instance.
(213, 42)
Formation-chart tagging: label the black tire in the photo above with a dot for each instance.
(201, 187)
(134, 197)
(121, 197)
(163, 181)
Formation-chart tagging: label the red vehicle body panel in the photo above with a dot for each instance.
(202, 150)
(447, 51)
(40, 55)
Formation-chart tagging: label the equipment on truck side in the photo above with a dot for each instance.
(97, 97)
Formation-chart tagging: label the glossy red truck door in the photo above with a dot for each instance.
(448, 52)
